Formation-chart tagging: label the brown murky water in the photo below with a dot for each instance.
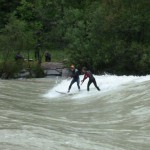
(34, 117)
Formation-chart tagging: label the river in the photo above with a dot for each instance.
(33, 116)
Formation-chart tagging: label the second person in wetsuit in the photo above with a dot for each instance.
(75, 77)
(88, 74)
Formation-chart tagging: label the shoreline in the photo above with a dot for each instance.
(46, 69)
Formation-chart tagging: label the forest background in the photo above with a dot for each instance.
(111, 36)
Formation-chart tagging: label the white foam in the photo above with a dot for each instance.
(105, 82)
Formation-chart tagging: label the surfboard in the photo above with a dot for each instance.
(61, 92)
(65, 93)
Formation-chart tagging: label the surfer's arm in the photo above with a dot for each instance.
(85, 77)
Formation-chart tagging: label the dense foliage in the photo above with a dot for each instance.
(105, 35)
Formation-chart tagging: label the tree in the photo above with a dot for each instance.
(6, 8)
(15, 37)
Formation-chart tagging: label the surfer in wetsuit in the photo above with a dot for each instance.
(75, 78)
(88, 74)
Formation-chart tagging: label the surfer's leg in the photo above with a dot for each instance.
(88, 85)
(78, 84)
(72, 82)
(95, 84)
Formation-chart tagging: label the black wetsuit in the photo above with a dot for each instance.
(89, 75)
(75, 78)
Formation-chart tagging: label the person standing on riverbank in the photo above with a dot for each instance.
(18, 56)
(88, 74)
(47, 56)
(75, 77)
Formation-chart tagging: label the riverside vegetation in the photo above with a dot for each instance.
(28, 67)
(104, 35)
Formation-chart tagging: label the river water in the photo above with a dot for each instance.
(33, 116)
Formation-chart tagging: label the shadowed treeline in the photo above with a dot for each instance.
(104, 35)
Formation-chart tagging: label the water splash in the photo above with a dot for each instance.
(105, 82)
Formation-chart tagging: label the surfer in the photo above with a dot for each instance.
(88, 74)
(75, 77)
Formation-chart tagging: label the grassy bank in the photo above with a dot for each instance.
(57, 55)
(10, 68)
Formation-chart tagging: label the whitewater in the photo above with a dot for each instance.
(34, 116)
(107, 83)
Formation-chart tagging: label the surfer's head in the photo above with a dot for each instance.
(84, 69)
(72, 67)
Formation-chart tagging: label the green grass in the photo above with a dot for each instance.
(9, 66)
(59, 55)
(56, 55)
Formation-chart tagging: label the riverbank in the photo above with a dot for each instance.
(54, 68)
(32, 70)
(30, 67)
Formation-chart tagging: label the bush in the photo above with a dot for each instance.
(37, 71)
(10, 69)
